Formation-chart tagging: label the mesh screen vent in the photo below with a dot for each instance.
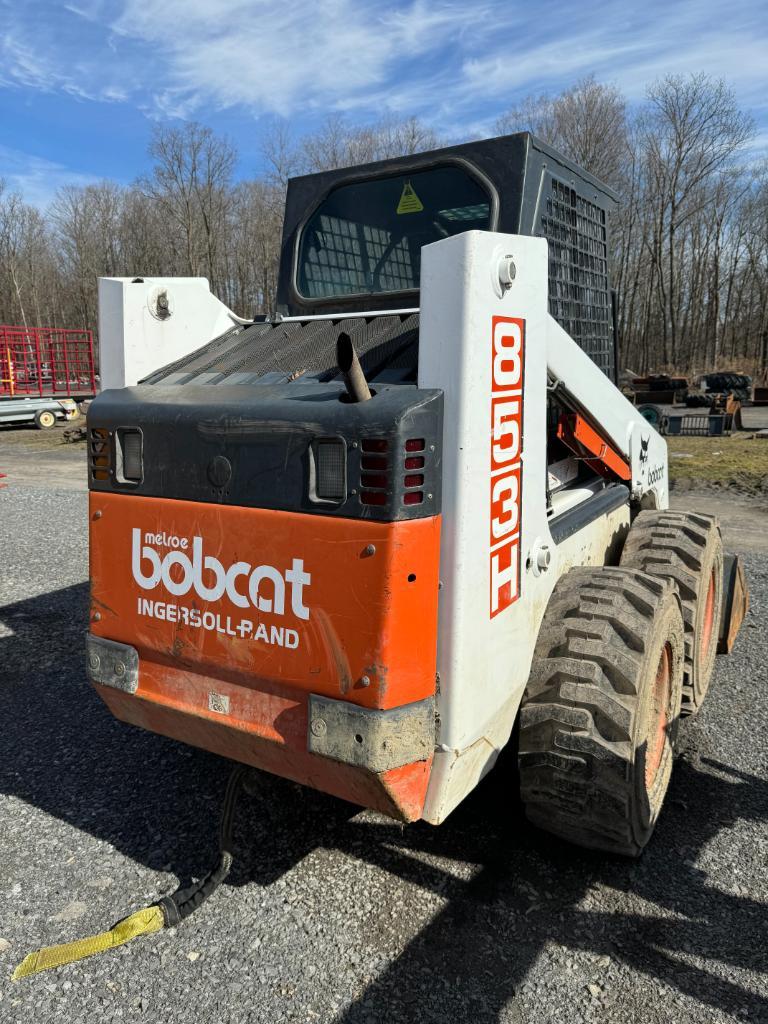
(579, 296)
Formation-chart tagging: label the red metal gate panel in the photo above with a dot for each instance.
(46, 361)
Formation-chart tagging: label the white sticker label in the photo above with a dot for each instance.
(218, 702)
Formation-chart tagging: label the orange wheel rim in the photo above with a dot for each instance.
(709, 619)
(657, 733)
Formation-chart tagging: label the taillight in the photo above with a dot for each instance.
(331, 457)
(411, 480)
(99, 455)
(392, 471)
(328, 471)
(374, 471)
(130, 456)
(374, 480)
(373, 498)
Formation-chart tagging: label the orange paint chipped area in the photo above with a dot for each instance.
(258, 597)
(279, 749)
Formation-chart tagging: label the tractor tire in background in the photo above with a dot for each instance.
(687, 548)
(45, 419)
(600, 713)
(652, 414)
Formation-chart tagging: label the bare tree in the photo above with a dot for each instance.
(690, 234)
(191, 183)
(691, 130)
(587, 122)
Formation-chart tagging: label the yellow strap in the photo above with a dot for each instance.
(149, 919)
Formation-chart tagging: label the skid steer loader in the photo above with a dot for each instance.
(354, 542)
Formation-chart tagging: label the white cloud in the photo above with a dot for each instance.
(280, 58)
(35, 178)
(455, 64)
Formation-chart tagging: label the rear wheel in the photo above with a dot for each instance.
(45, 419)
(688, 549)
(600, 713)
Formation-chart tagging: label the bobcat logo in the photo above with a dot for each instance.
(644, 442)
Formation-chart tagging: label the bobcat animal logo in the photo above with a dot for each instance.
(644, 442)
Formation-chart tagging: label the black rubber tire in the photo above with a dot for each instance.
(45, 419)
(589, 714)
(651, 414)
(687, 548)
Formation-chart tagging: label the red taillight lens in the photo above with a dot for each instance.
(375, 444)
(413, 498)
(414, 480)
(373, 462)
(414, 444)
(374, 480)
(373, 498)
(414, 462)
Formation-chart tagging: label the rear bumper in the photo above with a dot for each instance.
(376, 758)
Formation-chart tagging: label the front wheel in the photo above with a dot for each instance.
(600, 713)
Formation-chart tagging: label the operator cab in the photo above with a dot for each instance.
(365, 238)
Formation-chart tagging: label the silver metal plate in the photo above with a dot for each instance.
(112, 664)
(376, 740)
(218, 702)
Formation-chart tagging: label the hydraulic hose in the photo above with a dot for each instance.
(166, 913)
(178, 906)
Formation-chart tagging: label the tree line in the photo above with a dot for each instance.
(690, 235)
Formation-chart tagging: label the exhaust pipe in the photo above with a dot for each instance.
(352, 371)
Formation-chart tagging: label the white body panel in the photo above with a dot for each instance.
(134, 341)
(484, 658)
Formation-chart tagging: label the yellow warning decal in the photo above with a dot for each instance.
(409, 201)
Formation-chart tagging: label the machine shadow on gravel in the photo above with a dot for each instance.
(157, 802)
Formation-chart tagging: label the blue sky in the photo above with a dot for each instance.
(82, 83)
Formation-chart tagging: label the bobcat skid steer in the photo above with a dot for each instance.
(352, 543)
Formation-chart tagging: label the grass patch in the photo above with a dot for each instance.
(738, 461)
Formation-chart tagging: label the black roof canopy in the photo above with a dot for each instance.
(514, 184)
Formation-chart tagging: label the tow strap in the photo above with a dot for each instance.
(166, 913)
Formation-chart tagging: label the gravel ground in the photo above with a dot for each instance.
(338, 915)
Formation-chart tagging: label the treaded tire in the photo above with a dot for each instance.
(685, 547)
(597, 728)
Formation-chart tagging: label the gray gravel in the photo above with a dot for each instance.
(337, 915)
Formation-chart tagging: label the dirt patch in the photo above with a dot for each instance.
(738, 463)
(42, 458)
(22, 437)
